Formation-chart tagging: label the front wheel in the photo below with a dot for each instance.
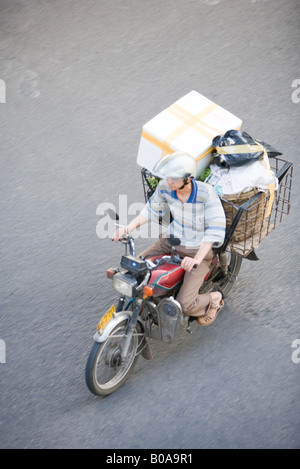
(105, 369)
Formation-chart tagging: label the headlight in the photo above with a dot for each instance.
(124, 284)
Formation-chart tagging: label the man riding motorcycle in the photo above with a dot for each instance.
(198, 220)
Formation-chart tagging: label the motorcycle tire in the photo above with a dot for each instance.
(223, 281)
(105, 372)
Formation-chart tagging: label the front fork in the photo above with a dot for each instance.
(132, 322)
(120, 305)
(130, 328)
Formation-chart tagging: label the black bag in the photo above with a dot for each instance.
(236, 148)
(272, 153)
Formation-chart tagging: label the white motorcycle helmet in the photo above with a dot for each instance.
(175, 165)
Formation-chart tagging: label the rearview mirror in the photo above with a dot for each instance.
(112, 214)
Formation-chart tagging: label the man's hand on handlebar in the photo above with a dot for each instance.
(188, 263)
(123, 231)
(120, 233)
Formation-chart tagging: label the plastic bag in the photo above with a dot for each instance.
(235, 148)
(272, 153)
(241, 179)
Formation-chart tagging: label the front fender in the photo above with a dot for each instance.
(119, 317)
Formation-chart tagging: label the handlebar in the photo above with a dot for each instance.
(176, 260)
(128, 240)
(172, 259)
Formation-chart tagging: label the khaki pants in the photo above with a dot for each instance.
(191, 302)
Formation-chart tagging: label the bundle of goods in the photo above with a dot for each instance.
(253, 214)
(240, 169)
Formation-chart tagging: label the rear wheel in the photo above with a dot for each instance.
(105, 370)
(224, 281)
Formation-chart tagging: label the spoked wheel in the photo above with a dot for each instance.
(105, 370)
(224, 281)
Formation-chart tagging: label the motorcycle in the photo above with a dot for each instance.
(147, 307)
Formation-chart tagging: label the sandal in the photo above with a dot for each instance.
(206, 320)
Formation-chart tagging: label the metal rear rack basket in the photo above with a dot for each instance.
(253, 216)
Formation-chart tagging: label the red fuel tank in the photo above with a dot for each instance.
(165, 277)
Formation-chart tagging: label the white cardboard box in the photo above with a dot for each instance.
(188, 125)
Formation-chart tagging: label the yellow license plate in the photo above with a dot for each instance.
(106, 318)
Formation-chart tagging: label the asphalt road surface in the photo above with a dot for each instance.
(81, 79)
